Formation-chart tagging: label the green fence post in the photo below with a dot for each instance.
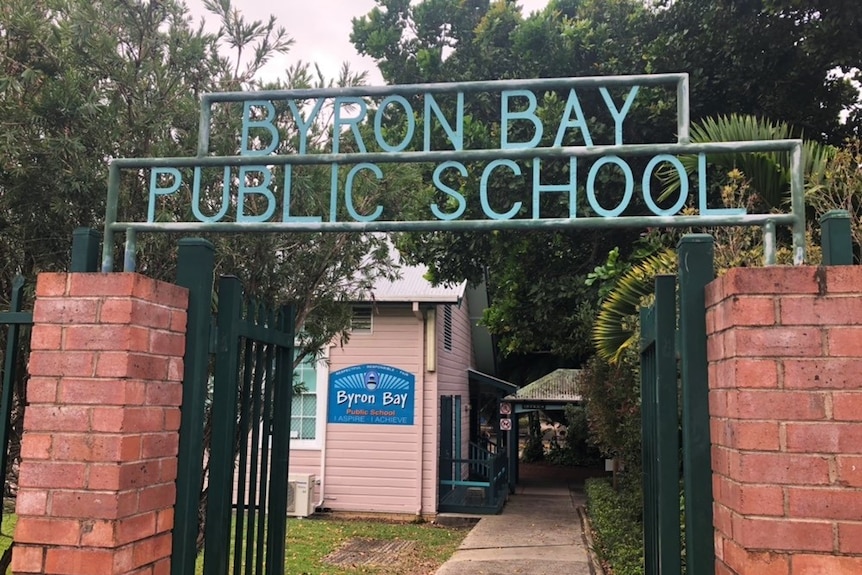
(194, 272)
(835, 238)
(648, 439)
(695, 252)
(224, 424)
(667, 427)
(85, 250)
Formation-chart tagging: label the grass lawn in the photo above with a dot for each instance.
(310, 540)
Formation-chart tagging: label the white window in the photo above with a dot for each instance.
(361, 318)
(306, 419)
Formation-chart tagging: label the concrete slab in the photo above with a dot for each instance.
(538, 533)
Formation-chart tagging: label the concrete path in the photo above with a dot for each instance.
(538, 533)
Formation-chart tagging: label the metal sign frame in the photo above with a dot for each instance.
(795, 219)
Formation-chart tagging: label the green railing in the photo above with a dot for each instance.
(486, 486)
(660, 429)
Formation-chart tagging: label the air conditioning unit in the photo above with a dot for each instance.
(300, 495)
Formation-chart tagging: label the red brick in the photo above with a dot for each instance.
(779, 468)
(748, 435)
(850, 537)
(175, 369)
(761, 563)
(179, 321)
(52, 475)
(744, 311)
(172, 419)
(62, 363)
(828, 311)
(795, 280)
(165, 520)
(81, 561)
(167, 470)
(106, 337)
(42, 390)
(721, 518)
(151, 549)
(50, 284)
(36, 445)
(756, 534)
(157, 497)
(755, 373)
(56, 418)
(720, 460)
(135, 528)
(27, 559)
(47, 530)
(847, 406)
(780, 405)
(774, 342)
(135, 312)
(163, 293)
(44, 336)
(102, 284)
(844, 341)
(92, 504)
(828, 503)
(124, 476)
(31, 502)
(143, 419)
(164, 393)
(133, 365)
(101, 392)
(167, 343)
(850, 471)
(822, 373)
(97, 533)
(843, 279)
(65, 310)
(824, 438)
(714, 292)
(767, 500)
(162, 566)
(825, 565)
(156, 445)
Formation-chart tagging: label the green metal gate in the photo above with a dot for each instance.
(245, 514)
(662, 417)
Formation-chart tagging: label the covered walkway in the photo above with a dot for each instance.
(538, 532)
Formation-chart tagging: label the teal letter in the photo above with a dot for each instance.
(285, 210)
(266, 124)
(225, 197)
(262, 189)
(591, 186)
(354, 122)
(571, 187)
(701, 193)
(528, 114)
(619, 115)
(683, 184)
(462, 203)
(456, 136)
(333, 194)
(378, 123)
(573, 105)
(302, 126)
(348, 192)
(155, 190)
(483, 190)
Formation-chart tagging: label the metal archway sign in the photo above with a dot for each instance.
(260, 172)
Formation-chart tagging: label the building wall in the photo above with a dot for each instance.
(378, 467)
(452, 367)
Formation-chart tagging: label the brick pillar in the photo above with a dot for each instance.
(785, 353)
(98, 456)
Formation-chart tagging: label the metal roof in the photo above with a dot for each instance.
(412, 286)
(558, 386)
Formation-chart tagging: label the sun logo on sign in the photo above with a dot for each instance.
(371, 380)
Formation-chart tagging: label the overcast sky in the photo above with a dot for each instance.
(321, 29)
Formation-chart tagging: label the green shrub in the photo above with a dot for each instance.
(617, 521)
(578, 447)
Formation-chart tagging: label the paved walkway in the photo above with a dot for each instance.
(538, 532)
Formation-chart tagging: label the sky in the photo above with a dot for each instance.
(321, 30)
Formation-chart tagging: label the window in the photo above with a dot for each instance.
(361, 319)
(447, 327)
(303, 416)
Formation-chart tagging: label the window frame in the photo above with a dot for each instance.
(321, 371)
(364, 306)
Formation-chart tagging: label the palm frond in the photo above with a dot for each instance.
(614, 330)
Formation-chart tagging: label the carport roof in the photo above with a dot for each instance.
(560, 386)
